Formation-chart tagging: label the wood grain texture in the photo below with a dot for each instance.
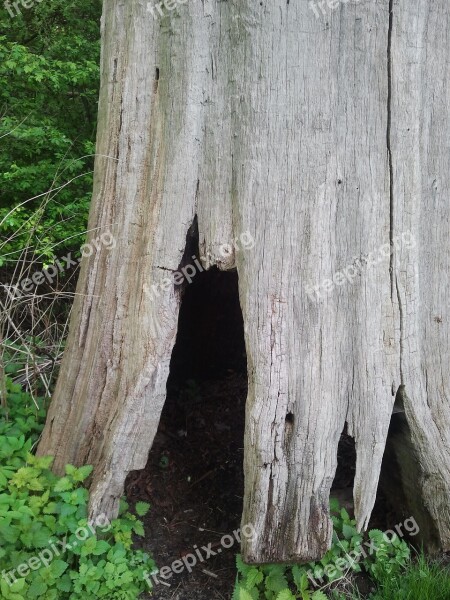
(261, 118)
(420, 135)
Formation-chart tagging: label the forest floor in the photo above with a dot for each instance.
(194, 483)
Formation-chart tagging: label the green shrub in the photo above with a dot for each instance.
(21, 417)
(48, 548)
(349, 553)
(273, 582)
(49, 79)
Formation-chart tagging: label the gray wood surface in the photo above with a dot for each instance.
(324, 140)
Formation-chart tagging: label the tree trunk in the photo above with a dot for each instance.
(324, 139)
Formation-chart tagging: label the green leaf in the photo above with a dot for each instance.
(41, 536)
(70, 470)
(89, 546)
(9, 532)
(17, 586)
(37, 588)
(101, 547)
(276, 580)
(349, 531)
(67, 509)
(334, 505)
(301, 581)
(64, 584)
(254, 577)
(40, 462)
(63, 485)
(241, 566)
(297, 575)
(376, 534)
(82, 473)
(244, 595)
(344, 515)
(138, 528)
(50, 509)
(3, 480)
(25, 510)
(58, 567)
(142, 508)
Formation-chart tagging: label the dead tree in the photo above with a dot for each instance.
(325, 137)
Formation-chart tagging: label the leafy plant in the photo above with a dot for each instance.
(392, 555)
(48, 548)
(273, 582)
(349, 553)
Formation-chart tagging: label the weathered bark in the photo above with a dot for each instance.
(420, 135)
(261, 118)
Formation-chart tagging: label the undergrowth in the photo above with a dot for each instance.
(421, 580)
(48, 547)
(385, 561)
(50, 550)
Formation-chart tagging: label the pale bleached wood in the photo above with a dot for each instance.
(420, 136)
(269, 121)
(314, 97)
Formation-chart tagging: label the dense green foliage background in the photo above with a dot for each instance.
(49, 78)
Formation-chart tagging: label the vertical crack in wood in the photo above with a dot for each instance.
(395, 291)
(402, 332)
(389, 147)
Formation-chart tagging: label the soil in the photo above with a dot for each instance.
(194, 483)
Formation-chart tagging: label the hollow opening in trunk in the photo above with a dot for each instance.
(342, 488)
(399, 497)
(194, 476)
(391, 505)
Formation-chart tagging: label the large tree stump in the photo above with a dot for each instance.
(325, 140)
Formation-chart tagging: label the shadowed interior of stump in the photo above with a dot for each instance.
(399, 489)
(342, 488)
(194, 476)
